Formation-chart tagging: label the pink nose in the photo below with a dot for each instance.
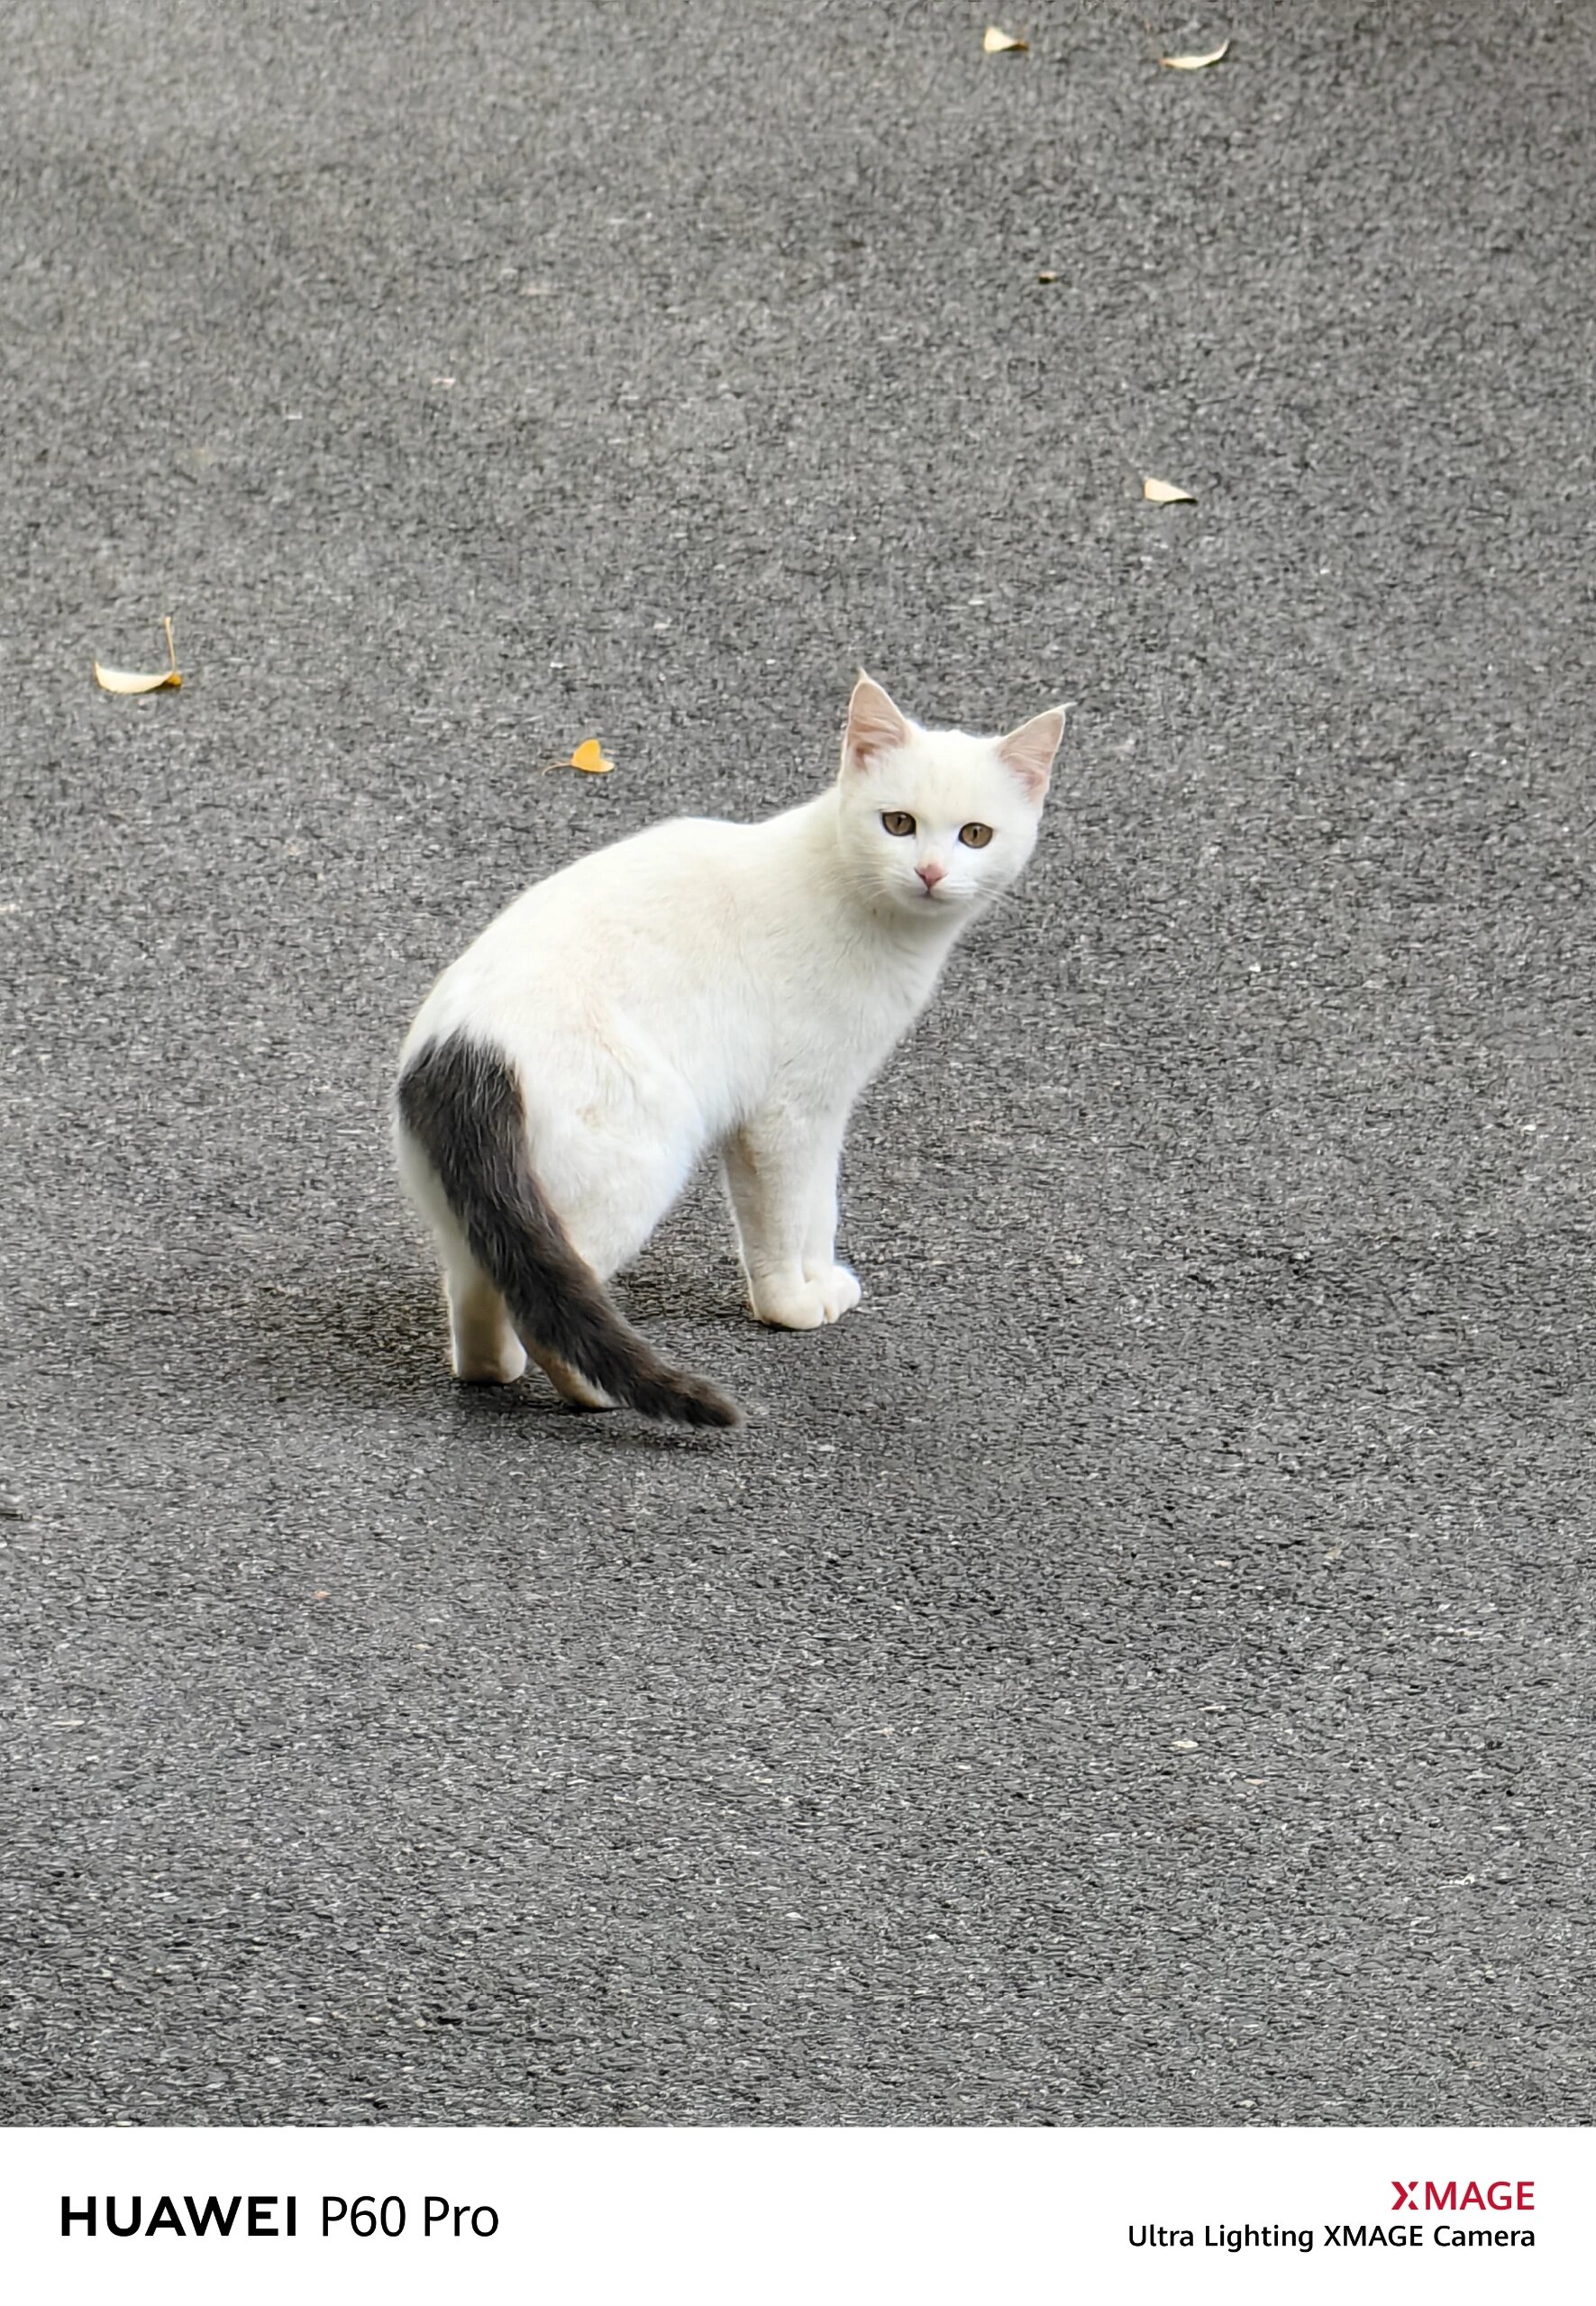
(932, 873)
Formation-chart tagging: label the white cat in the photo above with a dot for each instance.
(700, 986)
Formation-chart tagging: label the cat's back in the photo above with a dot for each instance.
(664, 906)
(660, 881)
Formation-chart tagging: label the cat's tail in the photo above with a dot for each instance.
(461, 1104)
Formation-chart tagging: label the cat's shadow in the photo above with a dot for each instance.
(379, 1340)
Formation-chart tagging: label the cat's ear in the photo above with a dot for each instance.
(1029, 750)
(875, 725)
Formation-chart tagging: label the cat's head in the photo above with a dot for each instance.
(934, 823)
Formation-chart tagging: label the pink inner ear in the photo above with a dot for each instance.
(875, 725)
(1029, 749)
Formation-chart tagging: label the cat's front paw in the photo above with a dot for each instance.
(806, 1300)
(839, 1285)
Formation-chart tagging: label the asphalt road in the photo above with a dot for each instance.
(1137, 1668)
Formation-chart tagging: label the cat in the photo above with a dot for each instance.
(701, 986)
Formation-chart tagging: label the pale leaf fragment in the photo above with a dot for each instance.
(140, 684)
(1196, 63)
(996, 43)
(134, 684)
(1164, 492)
(590, 756)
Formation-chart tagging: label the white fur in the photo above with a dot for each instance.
(706, 986)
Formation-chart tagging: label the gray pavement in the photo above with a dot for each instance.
(1137, 1668)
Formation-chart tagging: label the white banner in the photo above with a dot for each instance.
(764, 2217)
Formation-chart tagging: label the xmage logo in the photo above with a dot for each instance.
(1499, 2193)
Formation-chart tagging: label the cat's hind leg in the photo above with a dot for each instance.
(607, 1178)
(483, 1346)
(610, 1187)
(567, 1382)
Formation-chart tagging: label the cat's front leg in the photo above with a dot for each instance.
(781, 1174)
(840, 1287)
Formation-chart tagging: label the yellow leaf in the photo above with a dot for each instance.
(1195, 63)
(140, 684)
(996, 43)
(590, 756)
(1161, 492)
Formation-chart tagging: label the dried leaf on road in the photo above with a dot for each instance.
(134, 684)
(1195, 63)
(589, 757)
(140, 684)
(996, 43)
(1163, 492)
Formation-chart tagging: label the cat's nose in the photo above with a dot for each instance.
(931, 873)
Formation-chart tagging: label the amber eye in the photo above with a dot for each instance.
(975, 836)
(898, 821)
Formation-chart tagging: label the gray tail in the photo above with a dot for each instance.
(461, 1102)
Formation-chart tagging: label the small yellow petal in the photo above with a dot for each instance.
(996, 43)
(1195, 63)
(590, 756)
(1163, 492)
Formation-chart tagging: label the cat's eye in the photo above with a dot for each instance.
(899, 822)
(975, 836)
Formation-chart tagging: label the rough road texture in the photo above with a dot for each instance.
(1136, 1668)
